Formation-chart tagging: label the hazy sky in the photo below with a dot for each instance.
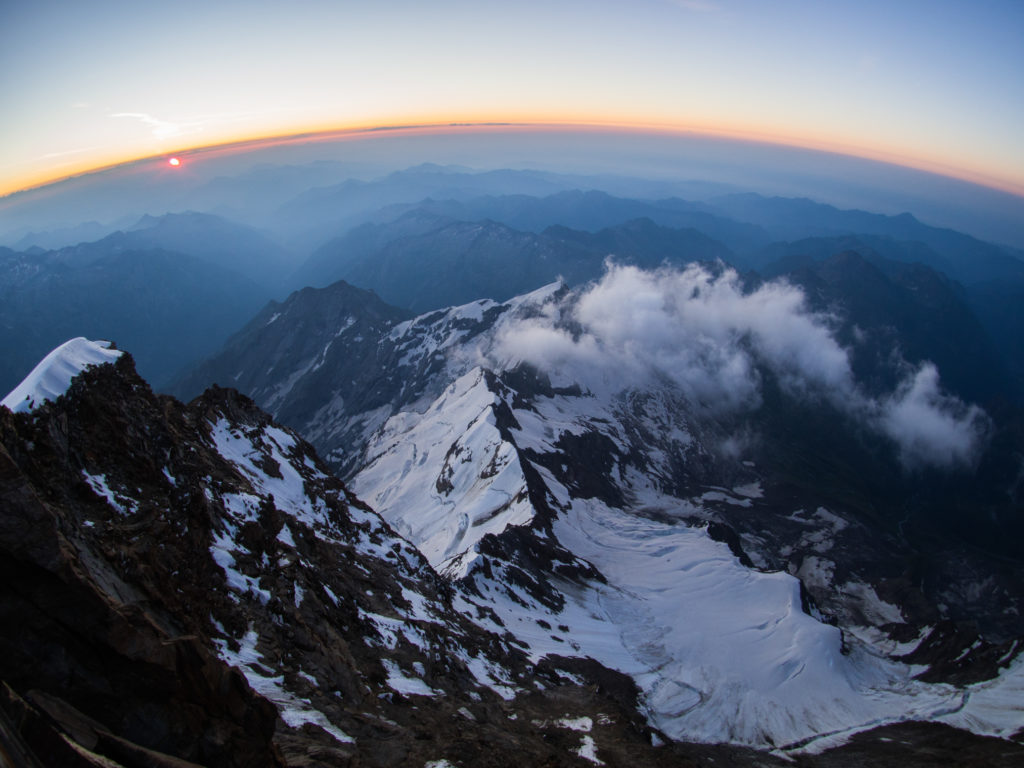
(932, 83)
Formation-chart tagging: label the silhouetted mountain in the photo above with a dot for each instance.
(331, 261)
(778, 257)
(886, 305)
(999, 304)
(62, 237)
(212, 239)
(295, 356)
(590, 211)
(172, 308)
(966, 259)
(321, 213)
(449, 262)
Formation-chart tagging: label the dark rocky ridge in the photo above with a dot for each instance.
(122, 599)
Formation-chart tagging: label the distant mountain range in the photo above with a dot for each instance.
(426, 262)
(442, 251)
(172, 287)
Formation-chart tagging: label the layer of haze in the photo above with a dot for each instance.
(931, 83)
(249, 184)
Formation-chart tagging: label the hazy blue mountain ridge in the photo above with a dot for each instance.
(172, 308)
(967, 259)
(444, 262)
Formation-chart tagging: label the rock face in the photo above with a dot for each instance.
(91, 630)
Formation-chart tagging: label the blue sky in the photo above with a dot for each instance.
(935, 85)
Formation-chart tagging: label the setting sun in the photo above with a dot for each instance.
(174, 162)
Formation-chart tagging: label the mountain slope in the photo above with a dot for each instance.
(910, 307)
(582, 477)
(619, 577)
(595, 560)
(189, 584)
(214, 240)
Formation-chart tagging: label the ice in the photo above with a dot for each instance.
(582, 724)
(52, 377)
(720, 652)
(750, 490)
(726, 498)
(392, 629)
(244, 450)
(222, 550)
(285, 536)
(446, 478)
(876, 610)
(994, 707)
(489, 674)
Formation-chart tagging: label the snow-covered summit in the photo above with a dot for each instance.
(52, 377)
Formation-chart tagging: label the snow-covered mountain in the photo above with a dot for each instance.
(678, 479)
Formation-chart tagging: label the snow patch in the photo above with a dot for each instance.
(294, 711)
(123, 504)
(399, 682)
(52, 377)
(588, 750)
(581, 724)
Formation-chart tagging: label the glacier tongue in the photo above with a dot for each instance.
(446, 478)
(52, 377)
(723, 652)
(719, 651)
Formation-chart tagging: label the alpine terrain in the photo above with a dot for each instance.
(525, 473)
(679, 477)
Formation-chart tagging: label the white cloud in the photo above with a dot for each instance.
(162, 129)
(932, 428)
(66, 153)
(704, 333)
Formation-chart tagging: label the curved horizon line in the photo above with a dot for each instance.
(326, 134)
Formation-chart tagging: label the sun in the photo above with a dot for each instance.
(174, 162)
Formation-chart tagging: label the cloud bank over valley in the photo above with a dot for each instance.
(699, 329)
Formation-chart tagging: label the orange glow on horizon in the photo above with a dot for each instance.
(433, 127)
